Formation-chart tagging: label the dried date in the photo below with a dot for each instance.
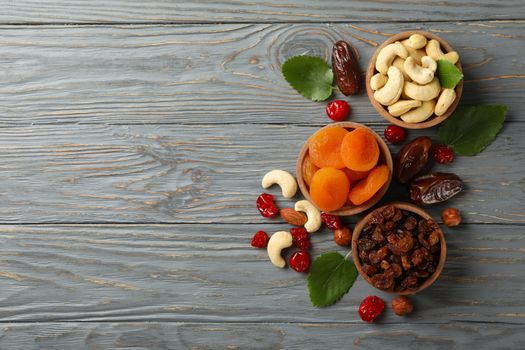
(346, 68)
(412, 158)
(434, 188)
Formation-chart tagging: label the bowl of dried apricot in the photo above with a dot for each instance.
(399, 248)
(414, 79)
(344, 168)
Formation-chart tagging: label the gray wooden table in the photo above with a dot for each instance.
(134, 135)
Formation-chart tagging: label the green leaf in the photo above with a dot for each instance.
(311, 76)
(472, 128)
(448, 74)
(330, 277)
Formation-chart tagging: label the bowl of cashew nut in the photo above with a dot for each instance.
(402, 83)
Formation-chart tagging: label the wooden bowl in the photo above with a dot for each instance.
(433, 120)
(384, 158)
(416, 210)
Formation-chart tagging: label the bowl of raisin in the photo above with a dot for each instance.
(399, 248)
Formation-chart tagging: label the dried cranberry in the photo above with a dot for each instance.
(371, 307)
(337, 110)
(442, 154)
(260, 239)
(266, 205)
(300, 238)
(331, 221)
(300, 261)
(394, 133)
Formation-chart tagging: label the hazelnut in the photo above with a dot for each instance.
(402, 305)
(451, 217)
(343, 236)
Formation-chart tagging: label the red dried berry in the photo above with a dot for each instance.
(266, 205)
(300, 261)
(442, 154)
(337, 110)
(300, 238)
(371, 307)
(331, 221)
(260, 239)
(394, 134)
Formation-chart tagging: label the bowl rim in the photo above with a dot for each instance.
(432, 121)
(414, 209)
(347, 210)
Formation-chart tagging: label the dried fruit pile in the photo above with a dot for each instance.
(342, 167)
(398, 250)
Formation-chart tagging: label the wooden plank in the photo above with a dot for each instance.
(156, 11)
(216, 336)
(218, 73)
(205, 173)
(210, 273)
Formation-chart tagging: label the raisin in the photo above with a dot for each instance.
(388, 212)
(378, 237)
(400, 244)
(383, 281)
(366, 244)
(376, 256)
(398, 215)
(419, 273)
(388, 226)
(410, 223)
(410, 282)
(377, 217)
(421, 239)
(396, 269)
(363, 255)
(405, 263)
(385, 265)
(420, 256)
(369, 269)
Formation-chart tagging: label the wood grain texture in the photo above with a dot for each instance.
(196, 74)
(156, 11)
(225, 336)
(204, 174)
(210, 273)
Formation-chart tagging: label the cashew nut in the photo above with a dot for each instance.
(444, 101)
(417, 41)
(400, 64)
(414, 53)
(402, 106)
(387, 55)
(314, 215)
(390, 93)
(278, 241)
(433, 50)
(428, 62)
(378, 81)
(423, 92)
(284, 179)
(421, 113)
(417, 73)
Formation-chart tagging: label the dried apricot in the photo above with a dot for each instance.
(367, 188)
(324, 147)
(360, 150)
(329, 189)
(354, 176)
(308, 169)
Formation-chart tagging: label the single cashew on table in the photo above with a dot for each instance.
(406, 80)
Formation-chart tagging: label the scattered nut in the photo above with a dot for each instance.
(419, 114)
(402, 106)
(293, 217)
(402, 306)
(278, 241)
(444, 101)
(418, 73)
(378, 81)
(314, 215)
(389, 94)
(451, 217)
(423, 92)
(417, 41)
(387, 55)
(343, 236)
(284, 179)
